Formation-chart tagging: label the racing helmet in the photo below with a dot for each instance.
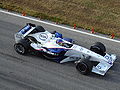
(59, 42)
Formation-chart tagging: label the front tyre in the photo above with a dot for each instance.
(98, 48)
(20, 49)
(84, 66)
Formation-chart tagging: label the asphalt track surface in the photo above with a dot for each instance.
(31, 72)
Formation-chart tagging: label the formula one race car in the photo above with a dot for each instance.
(52, 45)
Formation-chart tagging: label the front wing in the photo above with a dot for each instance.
(103, 67)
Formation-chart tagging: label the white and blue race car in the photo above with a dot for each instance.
(52, 45)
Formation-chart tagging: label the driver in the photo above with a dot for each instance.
(60, 42)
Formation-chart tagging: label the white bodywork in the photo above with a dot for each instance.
(74, 53)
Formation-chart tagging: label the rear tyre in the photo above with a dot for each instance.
(99, 48)
(40, 29)
(84, 66)
(20, 49)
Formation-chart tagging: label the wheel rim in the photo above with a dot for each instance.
(82, 67)
(20, 48)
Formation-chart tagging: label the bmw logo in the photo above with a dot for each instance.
(43, 36)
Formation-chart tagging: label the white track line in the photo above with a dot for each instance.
(59, 26)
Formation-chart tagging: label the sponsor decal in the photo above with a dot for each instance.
(25, 29)
(109, 59)
(43, 36)
(99, 67)
(88, 51)
(81, 49)
(74, 47)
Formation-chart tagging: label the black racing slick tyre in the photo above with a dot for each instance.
(20, 49)
(99, 48)
(40, 29)
(84, 66)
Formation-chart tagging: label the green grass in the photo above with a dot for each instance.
(103, 15)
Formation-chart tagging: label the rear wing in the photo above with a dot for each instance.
(24, 31)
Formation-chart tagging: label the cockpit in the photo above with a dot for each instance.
(63, 43)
